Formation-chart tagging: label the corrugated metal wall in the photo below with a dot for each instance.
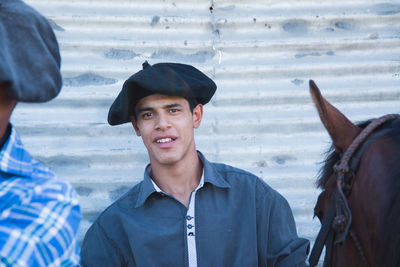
(261, 54)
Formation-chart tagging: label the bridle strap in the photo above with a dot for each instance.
(329, 249)
(359, 247)
(356, 158)
(342, 168)
(325, 231)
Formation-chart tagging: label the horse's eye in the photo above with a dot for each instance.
(319, 214)
(319, 207)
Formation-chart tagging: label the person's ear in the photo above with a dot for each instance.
(134, 124)
(197, 115)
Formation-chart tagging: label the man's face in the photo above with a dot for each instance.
(166, 126)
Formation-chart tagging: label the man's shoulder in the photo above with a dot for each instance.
(44, 188)
(41, 171)
(234, 174)
(243, 179)
(223, 168)
(123, 204)
(16, 161)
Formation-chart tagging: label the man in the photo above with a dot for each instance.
(187, 211)
(39, 213)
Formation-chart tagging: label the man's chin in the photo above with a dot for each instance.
(167, 159)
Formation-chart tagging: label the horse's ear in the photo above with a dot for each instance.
(339, 127)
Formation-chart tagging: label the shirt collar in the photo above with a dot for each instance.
(200, 185)
(146, 188)
(210, 175)
(14, 159)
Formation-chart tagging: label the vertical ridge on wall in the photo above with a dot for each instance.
(261, 54)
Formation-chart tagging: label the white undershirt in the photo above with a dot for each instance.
(190, 223)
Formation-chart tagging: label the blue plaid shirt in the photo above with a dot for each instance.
(39, 213)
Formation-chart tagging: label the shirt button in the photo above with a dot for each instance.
(190, 234)
(190, 226)
(189, 217)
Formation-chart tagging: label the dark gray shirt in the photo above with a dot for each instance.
(240, 221)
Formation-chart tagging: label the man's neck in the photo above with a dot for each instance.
(5, 135)
(5, 127)
(180, 179)
(7, 105)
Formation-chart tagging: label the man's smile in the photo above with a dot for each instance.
(165, 140)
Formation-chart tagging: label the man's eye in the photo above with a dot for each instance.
(147, 115)
(173, 110)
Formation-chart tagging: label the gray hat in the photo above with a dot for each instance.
(29, 54)
(172, 79)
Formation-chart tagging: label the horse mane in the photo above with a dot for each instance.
(390, 217)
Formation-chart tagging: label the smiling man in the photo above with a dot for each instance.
(187, 211)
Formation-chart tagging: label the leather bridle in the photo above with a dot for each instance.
(338, 219)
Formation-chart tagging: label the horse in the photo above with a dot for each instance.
(359, 206)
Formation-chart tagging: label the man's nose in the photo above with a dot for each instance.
(162, 122)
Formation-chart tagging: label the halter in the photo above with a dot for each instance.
(339, 216)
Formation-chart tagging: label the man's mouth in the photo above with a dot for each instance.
(164, 140)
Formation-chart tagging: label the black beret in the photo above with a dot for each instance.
(173, 79)
(29, 54)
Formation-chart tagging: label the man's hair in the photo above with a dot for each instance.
(192, 104)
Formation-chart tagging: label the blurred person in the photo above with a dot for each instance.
(39, 212)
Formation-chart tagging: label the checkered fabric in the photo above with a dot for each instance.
(39, 213)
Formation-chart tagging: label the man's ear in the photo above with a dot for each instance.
(197, 115)
(134, 124)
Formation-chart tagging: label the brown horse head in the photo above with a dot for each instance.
(372, 193)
